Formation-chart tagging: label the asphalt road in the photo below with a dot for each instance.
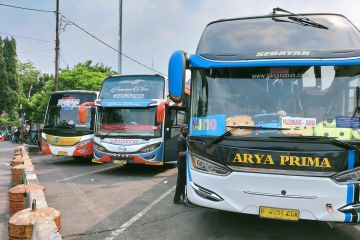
(135, 202)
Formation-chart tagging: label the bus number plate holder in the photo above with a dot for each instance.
(120, 159)
(62, 153)
(279, 213)
(121, 162)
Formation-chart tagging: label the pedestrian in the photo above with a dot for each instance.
(181, 165)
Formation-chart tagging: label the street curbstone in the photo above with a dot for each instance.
(44, 222)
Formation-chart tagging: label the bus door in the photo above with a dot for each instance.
(175, 116)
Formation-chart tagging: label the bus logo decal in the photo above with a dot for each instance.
(283, 53)
(207, 126)
(282, 160)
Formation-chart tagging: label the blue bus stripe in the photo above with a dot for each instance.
(350, 194)
(351, 159)
(188, 166)
(347, 217)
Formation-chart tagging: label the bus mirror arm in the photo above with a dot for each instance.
(160, 112)
(82, 113)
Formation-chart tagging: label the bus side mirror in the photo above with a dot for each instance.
(160, 112)
(176, 73)
(82, 113)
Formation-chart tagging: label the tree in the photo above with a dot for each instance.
(4, 84)
(31, 79)
(33, 82)
(37, 106)
(10, 58)
(83, 76)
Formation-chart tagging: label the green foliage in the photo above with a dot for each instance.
(30, 78)
(15, 92)
(37, 106)
(7, 122)
(35, 87)
(4, 84)
(83, 76)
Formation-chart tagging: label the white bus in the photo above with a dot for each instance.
(274, 123)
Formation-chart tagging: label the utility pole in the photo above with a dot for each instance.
(57, 48)
(120, 38)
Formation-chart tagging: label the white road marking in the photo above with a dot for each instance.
(126, 225)
(99, 170)
(330, 224)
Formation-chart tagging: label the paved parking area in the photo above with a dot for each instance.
(106, 201)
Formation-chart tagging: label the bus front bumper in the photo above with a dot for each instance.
(315, 198)
(74, 151)
(122, 158)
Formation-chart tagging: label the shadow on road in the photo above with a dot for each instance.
(135, 170)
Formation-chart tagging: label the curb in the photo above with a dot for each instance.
(43, 230)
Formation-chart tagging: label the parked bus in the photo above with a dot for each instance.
(63, 133)
(274, 123)
(136, 124)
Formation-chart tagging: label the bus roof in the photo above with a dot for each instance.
(74, 91)
(280, 36)
(273, 15)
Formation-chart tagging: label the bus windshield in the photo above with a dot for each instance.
(62, 112)
(278, 33)
(296, 101)
(128, 121)
(135, 87)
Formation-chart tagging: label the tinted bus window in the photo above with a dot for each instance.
(273, 34)
(140, 87)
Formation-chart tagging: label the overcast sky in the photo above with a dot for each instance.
(152, 29)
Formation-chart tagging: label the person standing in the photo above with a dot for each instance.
(181, 164)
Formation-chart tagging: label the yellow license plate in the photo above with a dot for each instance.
(279, 213)
(62, 153)
(119, 161)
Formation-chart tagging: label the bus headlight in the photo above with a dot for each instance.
(83, 143)
(350, 176)
(99, 147)
(150, 148)
(200, 164)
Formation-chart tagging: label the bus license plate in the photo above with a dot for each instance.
(279, 213)
(122, 162)
(64, 153)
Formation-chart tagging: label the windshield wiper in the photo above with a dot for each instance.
(234, 128)
(304, 21)
(104, 136)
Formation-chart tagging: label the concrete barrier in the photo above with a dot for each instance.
(41, 230)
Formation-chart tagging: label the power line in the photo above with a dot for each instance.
(29, 9)
(62, 57)
(25, 37)
(38, 50)
(84, 30)
(123, 54)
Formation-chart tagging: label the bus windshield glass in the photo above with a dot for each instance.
(128, 121)
(63, 108)
(135, 87)
(278, 34)
(295, 101)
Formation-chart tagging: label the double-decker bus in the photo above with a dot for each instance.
(136, 124)
(64, 132)
(274, 121)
